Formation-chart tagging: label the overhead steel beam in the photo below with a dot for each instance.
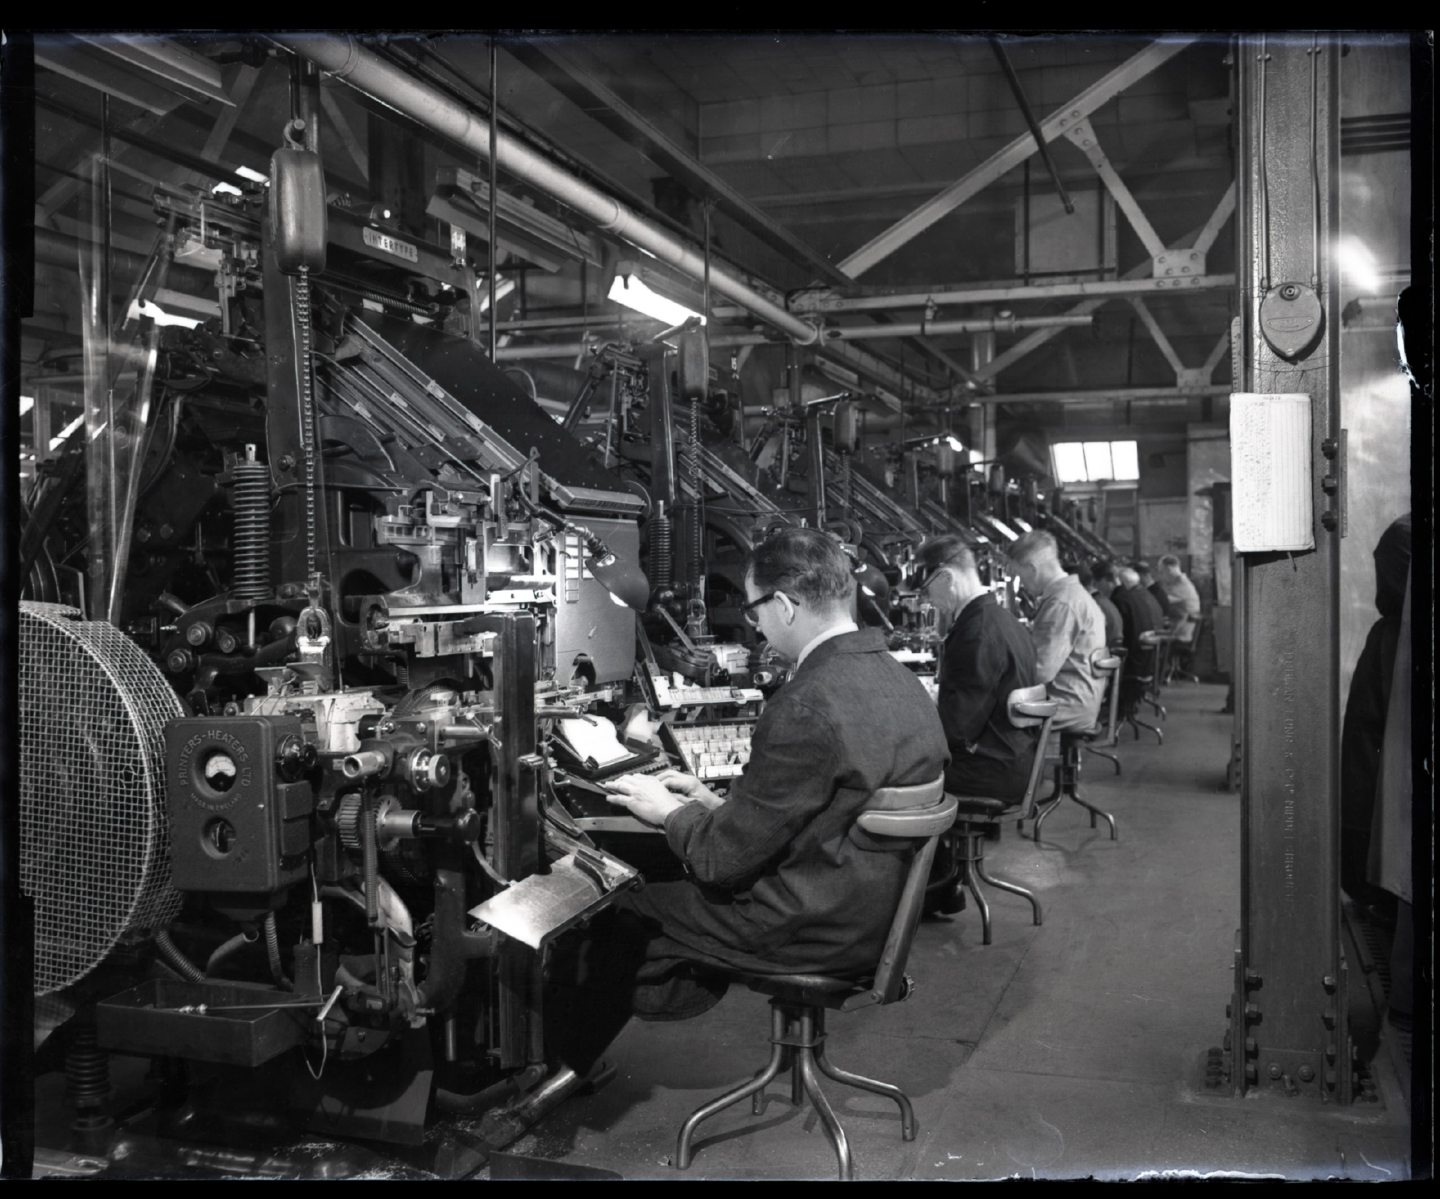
(991, 324)
(1117, 395)
(67, 56)
(64, 189)
(1157, 335)
(1082, 134)
(1092, 98)
(562, 71)
(1222, 213)
(1032, 342)
(558, 67)
(359, 155)
(367, 72)
(1216, 356)
(824, 301)
(166, 60)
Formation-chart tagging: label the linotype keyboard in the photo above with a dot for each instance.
(714, 749)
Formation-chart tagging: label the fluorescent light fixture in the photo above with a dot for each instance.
(955, 443)
(1358, 264)
(252, 175)
(1010, 534)
(159, 315)
(59, 439)
(631, 291)
(227, 189)
(26, 403)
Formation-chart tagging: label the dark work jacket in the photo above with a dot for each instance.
(1114, 625)
(1140, 614)
(987, 655)
(778, 883)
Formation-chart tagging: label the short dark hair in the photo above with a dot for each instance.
(1102, 571)
(806, 564)
(1082, 572)
(949, 549)
(1170, 560)
(1037, 543)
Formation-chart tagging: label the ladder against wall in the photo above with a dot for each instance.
(1120, 520)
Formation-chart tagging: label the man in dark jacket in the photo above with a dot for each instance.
(1140, 614)
(1103, 584)
(986, 655)
(777, 883)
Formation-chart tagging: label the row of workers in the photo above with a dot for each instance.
(988, 653)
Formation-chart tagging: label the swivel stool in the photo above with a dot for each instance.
(1067, 774)
(980, 816)
(799, 1001)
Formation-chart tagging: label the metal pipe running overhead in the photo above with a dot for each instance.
(997, 324)
(344, 58)
(725, 341)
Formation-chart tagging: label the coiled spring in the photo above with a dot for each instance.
(250, 502)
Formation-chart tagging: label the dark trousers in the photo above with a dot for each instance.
(623, 964)
(971, 774)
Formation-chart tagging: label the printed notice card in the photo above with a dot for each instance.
(1270, 472)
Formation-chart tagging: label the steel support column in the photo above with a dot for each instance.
(1288, 1015)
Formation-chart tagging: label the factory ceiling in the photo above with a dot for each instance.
(859, 181)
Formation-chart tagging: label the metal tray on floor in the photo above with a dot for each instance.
(145, 1019)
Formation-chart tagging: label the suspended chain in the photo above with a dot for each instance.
(697, 543)
(307, 413)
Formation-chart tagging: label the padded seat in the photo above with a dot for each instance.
(799, 1002)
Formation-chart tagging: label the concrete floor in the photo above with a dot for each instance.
(1066, 1051)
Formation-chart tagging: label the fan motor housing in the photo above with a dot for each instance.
(235, 824)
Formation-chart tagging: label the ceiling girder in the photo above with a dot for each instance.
(903, 231)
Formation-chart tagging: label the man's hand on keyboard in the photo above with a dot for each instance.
(645, 796)
(690, 787)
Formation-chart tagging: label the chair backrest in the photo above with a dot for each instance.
(1028, 707)
(910, 813)
(1108, 662)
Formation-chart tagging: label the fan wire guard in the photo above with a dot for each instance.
(94, 823)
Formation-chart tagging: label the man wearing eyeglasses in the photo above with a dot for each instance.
(780, 881)
(986, 655)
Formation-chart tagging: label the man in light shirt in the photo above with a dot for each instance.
(1184, 601)
(1068, 627)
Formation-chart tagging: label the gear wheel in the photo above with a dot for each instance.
(347, 822)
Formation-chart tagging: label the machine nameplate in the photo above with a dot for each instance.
(391, 245)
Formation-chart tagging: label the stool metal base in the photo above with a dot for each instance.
(1067, 786)
(797, 1039)
(1100, 753)
(1137, 724)
(973, 857)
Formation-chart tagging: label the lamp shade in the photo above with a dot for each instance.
(625, 581)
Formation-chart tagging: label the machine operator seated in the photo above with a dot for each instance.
(986, 655)
(776, 881)
(1067, 629)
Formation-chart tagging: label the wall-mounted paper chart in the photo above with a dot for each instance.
(1270, 472)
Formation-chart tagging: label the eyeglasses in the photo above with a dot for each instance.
(748, 610)
(923, 586)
